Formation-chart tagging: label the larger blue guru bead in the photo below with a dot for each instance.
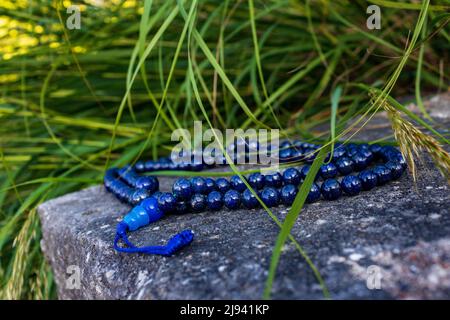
(314, 193)
(237, 183)
(331, 189)
(288, 194)
(182, 189)
(232, 199)
(351, 185)
(369, 180)
(149, 183)
(328, 170)
(273, 180)
(214, 200)
(344, 165)
(270, 196)
(136, 218)
(150, 203)
(256, 180)
(383, 174)
(198, 202)
(249, 199)
(292, 176)
(222, 185)
(199, 185)
(166, 202)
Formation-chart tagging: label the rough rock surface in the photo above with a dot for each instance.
(394, 240)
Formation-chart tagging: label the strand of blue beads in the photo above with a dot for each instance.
(199, 194)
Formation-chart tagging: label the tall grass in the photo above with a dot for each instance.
(74, 102)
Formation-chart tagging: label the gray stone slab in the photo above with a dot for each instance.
(401, 228)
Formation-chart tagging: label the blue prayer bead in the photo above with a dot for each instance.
(136, 218)
(270, 196)
(232, 199)
(249, 199)
(182, 206)
(383, 174)
(396, 169)
(304, 171)
(328, 170)
(375, 149)
(199, 185)
(368, 155)
(256, 180)
(331, 189)
(285, 154)
(368, 179)
(351, 151)
(167, 202)
(296, 155)
(314, 193)
(237, 183)
(139, 166)
(339, 152)
(214, 200)
(351, 185)
(344, 165)
(210, 185)
(273, 180)
(198, 202)
(222, 185)
(288, 194)
(291, 176)
(149, 166)
(139, 195)
(285, 144)
(149, 183)
(182, 189)
(359, 162)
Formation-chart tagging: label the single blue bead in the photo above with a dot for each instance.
(331, 189)
(232, 199)
(198, 202)
(383, 174)
(285, 154)
(139, 166)
(364, 146)
(273, 180)
(210, 185)
(328, 170)
(344, 165)
(351, 151)
(338, 152)
(249, 200)
(304, 171)
(285, 144)
(167, 202)
(351, 185)
(360, 162)
(222, 185)
(199, 185)
(256, 180)
(270, 196)
(182, 207)
(396, 169)
(297, 154)
(368, 154)
(368, 179)
(136, 218)
(139, 195)
(182, 189)
(149, 165)
(314, 193)
(237, 183)
(309, 155)
(125, 194)
(375, 149)
(288, 194)
(149, 183)
(291, 176)
(214, 200)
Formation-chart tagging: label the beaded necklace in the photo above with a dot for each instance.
(373, 165)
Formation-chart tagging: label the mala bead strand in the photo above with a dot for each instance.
(198, 194)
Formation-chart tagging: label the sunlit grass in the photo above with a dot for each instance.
(74, 102)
